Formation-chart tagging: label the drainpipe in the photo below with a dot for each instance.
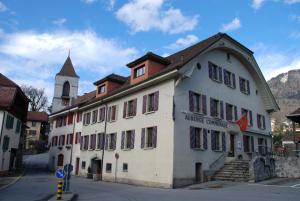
(103, 140)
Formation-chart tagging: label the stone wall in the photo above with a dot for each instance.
(287, 167)
(261, 168)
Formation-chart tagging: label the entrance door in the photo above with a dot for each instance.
(198, 172)
(77, 166)
(232, 145)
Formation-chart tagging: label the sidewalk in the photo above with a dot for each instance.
(7, 181)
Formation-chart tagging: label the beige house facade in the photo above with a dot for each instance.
(172, 122)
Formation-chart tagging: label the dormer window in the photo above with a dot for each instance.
(101, 89)
(139, 71)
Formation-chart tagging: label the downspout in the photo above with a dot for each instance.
(103, 140)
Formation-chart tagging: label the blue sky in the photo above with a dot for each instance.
(104, 35)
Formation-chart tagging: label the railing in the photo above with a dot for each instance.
(215, 165)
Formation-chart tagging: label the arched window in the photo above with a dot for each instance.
(60, 160)
(66, 89)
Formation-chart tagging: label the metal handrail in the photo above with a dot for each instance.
(217, 160)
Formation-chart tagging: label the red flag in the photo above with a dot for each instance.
(242, 123)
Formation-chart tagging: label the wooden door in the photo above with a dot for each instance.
(232, 145)
(198, 170)
(77, 166)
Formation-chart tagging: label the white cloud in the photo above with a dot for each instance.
(60, 21)
(183, 42)
(3, 7)
(31, 56)
(291, 1)
(256, 4)
(295, 18)
(233, 25)
(295, 34)
(89, 1)
(144, 15)
(273, 62)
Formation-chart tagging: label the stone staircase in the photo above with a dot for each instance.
(237, 170)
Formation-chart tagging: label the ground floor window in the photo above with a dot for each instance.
(125, 167)
(198, 138)
(215, 140)
(83, 165)
(60, 160)
(108, 167)
(248, 143)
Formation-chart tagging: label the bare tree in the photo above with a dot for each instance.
(38, 98)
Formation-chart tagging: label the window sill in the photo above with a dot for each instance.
(198, 149)
(108, 171)
(91, 149)
(110, 150)
(112, 121)
(217, 150)
(245, 92)
(93, 123)
(218, 81)
(129, 117)
(126, 149)
(149, 112)
(97, 149)
(231, 87)
(148, 148)
(125, 170)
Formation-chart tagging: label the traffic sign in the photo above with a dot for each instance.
(60, 173)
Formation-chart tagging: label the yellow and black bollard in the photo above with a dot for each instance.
(59, 190)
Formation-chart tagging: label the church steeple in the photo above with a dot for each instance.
(68, 69)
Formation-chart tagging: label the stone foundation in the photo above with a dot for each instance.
(287, 167)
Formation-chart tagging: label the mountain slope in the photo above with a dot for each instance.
(286, 90)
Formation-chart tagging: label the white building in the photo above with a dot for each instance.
(168, 122)
(13, 111)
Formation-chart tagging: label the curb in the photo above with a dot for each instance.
(13, 182)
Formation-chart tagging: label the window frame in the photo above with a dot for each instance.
(125, 165)
(108, 168)
(94, 116)
(101, 89)
(147, 137)
(218, 109)
(139, 71)
(199, 133)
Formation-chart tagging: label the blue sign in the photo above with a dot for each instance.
(60, 173)
(68, 168)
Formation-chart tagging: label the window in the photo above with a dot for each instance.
(77, 137)
(244, 86)
(128, 139)
(149, 137)
(86, 142)
(69, 139)
(261, 124)
(83, 165)
(216, 108)
(129, 108)
(101, 89)
(33, 124)
(5, 144)
(102, 114)
(70, 118)
(231, 111)
(95, 115)
(248, 114)
(100, 141)
(60, 160)
(86, 118)
(93, 142)
(215, 72)
(150, 102)
(112, 113)
(229, 79)
(262, 146)
(125, 167)
(198, 138)
(108, 167)
(61, 140)
(111, 141)
(66, 89)
(54, 141)
(215, 140)
(197, 102)
(139, 71)
(9, 122)
(248, 143)
(79, 117)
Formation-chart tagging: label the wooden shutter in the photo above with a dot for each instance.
(114, 140)
(210, 70)
(192, 137)
(144, 104)
(220, 74)
(72, 137)
(264, 122)
(258, 121)
(143, 138)
(233, 80)
(109, 114)
(223, 142)
(252, 144)
(235, 113)
(156, 100)
(213, 140)
(154, 138)
(70, 118)
(106, 141)
(248, 87)
(226, 82)
(204, 109)
(191, 101)
(132, 139)
(125, 109)
(227, 108)
(240, 82)
(221, 110)
(245, 143)
(122, 139)
(134, 106)
(250, 118)
(205, 138)
(212, 109)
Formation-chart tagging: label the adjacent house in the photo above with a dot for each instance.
(36, 133)
(169, 121)
(13, 112)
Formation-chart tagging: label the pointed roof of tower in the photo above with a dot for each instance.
(67, 69)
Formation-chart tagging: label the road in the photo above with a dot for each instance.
(37, 184)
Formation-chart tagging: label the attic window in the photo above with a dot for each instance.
(139, 71)
(101, 89)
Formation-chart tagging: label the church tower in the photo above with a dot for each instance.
(66, 86)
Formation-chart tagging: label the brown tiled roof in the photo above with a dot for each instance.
(112, 77)
(84, 98)
(4, 81)
(151, 56)
(7, 95)
(37, 116)
(67, 69)
(296, 112)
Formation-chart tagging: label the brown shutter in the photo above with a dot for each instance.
(143, 138)
(204, 108)
(134, 106)
(122, 139)
(132, 139)
(144, 103)
(154, 139)
(125, 109)
(156, 100)
(191, 102)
